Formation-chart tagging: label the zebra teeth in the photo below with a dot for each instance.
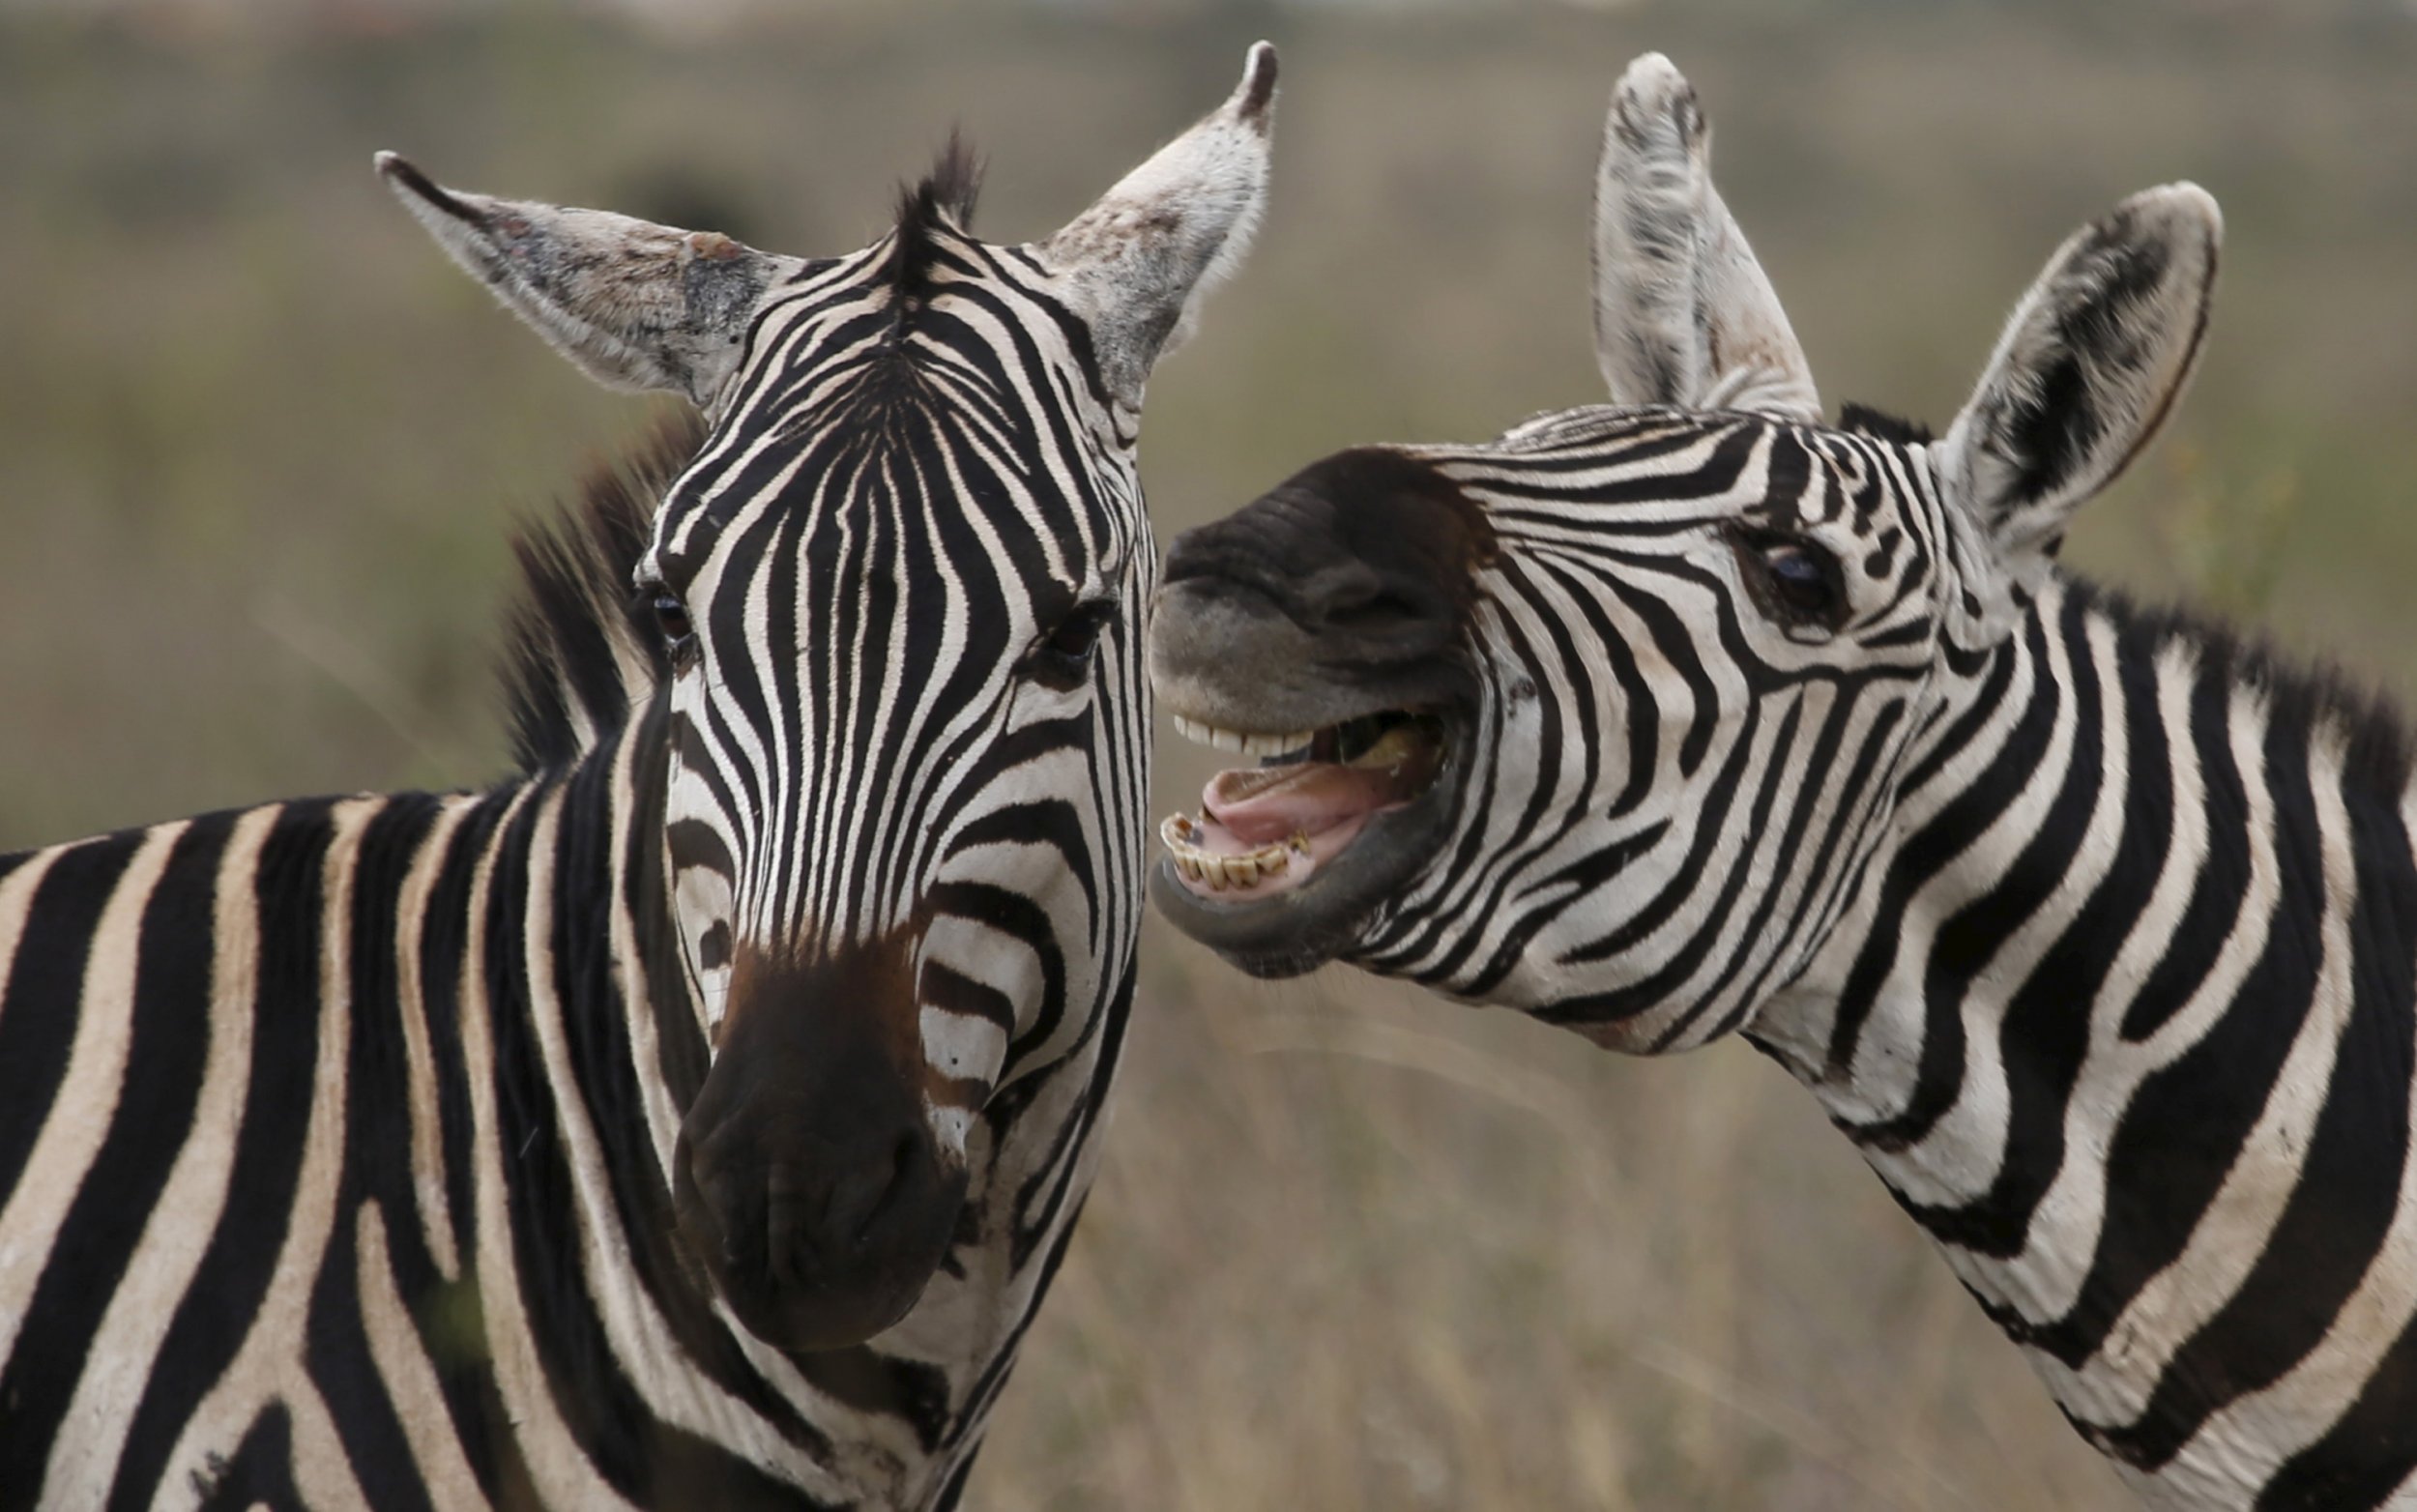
(1261, 743)
(1276, 745)
(1219, 872)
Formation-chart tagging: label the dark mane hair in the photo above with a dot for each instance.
(944, 198)
(2379, 755)
(580, 651)
(2302, 694)
(1864, 421)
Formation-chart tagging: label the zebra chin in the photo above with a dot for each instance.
(809, 1183)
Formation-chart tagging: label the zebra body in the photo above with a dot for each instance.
(696, 1119)
(2093, 928)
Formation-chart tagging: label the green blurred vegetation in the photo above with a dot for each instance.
(260, 450)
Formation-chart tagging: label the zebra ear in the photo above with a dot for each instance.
(1138, 263)
(1683, 313)
(635, 304)
(2091, 363)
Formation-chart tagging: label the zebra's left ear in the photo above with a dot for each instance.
(1683, 312)
(635, 304)
(2090, 364)
(1137, 263)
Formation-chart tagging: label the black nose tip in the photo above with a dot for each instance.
(815, 1242)
(1368, 543)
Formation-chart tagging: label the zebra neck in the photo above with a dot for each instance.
(575, 887)
(2124, 1021)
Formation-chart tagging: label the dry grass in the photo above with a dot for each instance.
(1357, 1250)
(1350, 1248)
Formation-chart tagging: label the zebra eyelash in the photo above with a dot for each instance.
(654, 602)
(1060, 657)
(1814, 599)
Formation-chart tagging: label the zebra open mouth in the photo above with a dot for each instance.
(1267, 829)
(1286, 856)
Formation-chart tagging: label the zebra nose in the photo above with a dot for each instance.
(815, 1241)
(1318, 585)
(807, 1183)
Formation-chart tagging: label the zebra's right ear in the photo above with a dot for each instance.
(1683, 313)
(2089, 366)
(635, 304)
(1137, 263)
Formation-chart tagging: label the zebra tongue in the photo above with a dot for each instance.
(1260, 805)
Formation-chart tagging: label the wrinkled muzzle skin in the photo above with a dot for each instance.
(807, 1181)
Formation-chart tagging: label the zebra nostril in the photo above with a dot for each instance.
(1358, 598)
(858, 1195)
(1378, 610)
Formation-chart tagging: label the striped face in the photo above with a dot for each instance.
(900, 585)
(900, 588)
(1599, 720)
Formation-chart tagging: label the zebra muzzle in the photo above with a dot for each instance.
(807, 1180)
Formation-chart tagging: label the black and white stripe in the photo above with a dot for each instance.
(2095, 930)
(427, 1150)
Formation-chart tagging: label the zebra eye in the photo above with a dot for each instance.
(1060, 659)
(671, 618)
(1800, 581)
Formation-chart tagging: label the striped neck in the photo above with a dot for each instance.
(2106, 1020)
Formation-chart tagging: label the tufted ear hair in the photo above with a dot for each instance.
(1683, 313)
(635, 304)
(1137, 264)
(2091, 364)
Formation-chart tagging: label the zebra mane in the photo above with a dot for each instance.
(2379, 755)
(944, 198)
(2378, 751)
(580, 651)
(1864, 421)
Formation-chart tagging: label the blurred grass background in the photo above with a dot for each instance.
(260, 448)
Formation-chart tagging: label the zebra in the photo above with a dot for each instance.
(696, 1117)
(2092, 926)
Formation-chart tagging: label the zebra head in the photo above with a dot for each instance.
(899, 589)
(1605, 719)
